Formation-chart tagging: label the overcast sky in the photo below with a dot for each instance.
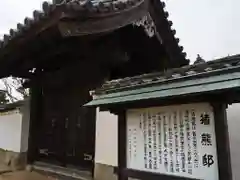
(207, 27)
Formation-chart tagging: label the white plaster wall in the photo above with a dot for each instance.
(14, 129)
(106, 138)
(25, 111)
(10, 131)
(233, 115)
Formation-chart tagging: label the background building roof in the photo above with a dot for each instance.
(204, 77)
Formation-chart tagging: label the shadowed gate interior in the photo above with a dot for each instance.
(65, 131)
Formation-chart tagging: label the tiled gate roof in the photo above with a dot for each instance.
(92, 7)
(220, 76)
(194, 71)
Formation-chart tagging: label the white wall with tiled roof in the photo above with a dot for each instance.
(106, 138)
(233, 115)
(14, 129)
(10, 131)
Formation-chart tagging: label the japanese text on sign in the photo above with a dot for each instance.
(174, 140)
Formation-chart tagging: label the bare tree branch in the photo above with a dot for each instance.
(12, 85)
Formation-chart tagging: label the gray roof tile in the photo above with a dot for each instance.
(96, 7)
(91, 6)
(193, 71)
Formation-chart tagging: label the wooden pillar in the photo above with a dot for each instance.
(122, 142)
(35, 119)
(222, 138)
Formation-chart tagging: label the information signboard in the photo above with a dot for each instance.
(173, 140)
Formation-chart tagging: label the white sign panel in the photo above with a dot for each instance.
(173, 140)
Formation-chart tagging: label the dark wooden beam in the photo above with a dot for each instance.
(143, 175)
(136, 174)
(35, 119)
(13, 63)
(49, 54)
(222, 138)
(122, 144)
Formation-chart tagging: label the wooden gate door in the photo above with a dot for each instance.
(51, 137)
(81, 138)
(67, 135)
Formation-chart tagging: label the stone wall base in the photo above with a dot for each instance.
(105, 172)
(15, 161)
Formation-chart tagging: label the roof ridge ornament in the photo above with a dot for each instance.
(199, 60)
(147, 23)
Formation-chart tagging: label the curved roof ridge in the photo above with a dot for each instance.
(99, 7)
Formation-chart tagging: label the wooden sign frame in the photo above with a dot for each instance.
(223, 148)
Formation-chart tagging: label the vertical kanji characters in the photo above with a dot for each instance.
(159, 125)
(176, 137)
(141, 121)
(206, 139)
(205, 119)
(165, 142)
(194, 140)
(170, 141)
(182, 144)
(145, 140)
(207, 160)
(154, 134)
(150, 148)
(134, 142)
(189, 145)
(130, 143)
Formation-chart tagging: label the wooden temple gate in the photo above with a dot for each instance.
(70, 48)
